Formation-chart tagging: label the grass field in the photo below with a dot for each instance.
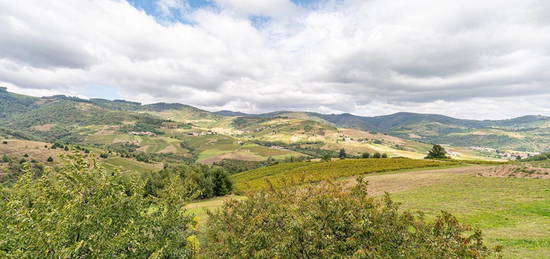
(512, 212)
(317, 171)
(126, 164)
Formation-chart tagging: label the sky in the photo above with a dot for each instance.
(468, 59)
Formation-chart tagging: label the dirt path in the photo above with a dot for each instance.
(398, 182)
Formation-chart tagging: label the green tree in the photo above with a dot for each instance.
(326, 158)
(384, 155)
(437, 152)
(50, 159)
(329, 221)
(377, 155)
(86, 211)
(365, 155)
(342, 154)
(222, 184)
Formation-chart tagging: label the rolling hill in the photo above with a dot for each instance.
(527, 133)
(184, 132)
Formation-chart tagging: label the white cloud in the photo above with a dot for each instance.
(269, 8)
(462, 58)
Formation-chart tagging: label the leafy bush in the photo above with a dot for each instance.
(85, 211)
(6, 158)
(328, 222)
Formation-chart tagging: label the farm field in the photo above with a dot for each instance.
(126, 164)
(282, 174)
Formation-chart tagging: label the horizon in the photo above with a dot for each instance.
(468, 59)
(275, 111)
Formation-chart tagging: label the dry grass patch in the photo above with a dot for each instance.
(517, 171)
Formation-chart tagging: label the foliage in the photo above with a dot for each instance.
(365, 155)
(291, 173)
(342, 153)
(234, 166)
(541, 157)
(328, 222)
(85, 211)
(437, 152)
(197, 181)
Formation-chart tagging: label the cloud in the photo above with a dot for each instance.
(466, 58)
(269, 8)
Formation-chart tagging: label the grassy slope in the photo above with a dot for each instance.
(317, 171)
(514, 213)
(40, 151)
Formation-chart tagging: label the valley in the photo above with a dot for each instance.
(480, 182)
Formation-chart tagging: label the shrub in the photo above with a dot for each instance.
(6, 158)
(327, 221)
(342, 153)
(365, 155)
(104, 155)
(4, 142)
(377, 155)
(85, 211)
(50, 159)
(384, 155)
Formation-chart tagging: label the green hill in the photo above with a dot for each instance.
(304, 172)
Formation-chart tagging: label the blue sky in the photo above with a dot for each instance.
(150, 7)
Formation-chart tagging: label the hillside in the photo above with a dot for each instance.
(187, 133)
(527, 133)
(306, 172)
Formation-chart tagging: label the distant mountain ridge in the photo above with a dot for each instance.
(386, 122)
